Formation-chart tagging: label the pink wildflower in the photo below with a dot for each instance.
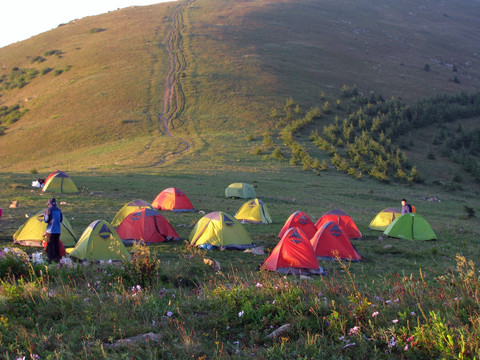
(375, 313)
(354, 330)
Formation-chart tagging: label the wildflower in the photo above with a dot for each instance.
(169, 313)
(394, 321)
(35, 357)
(240, 314)
(413, 313)
(20, 358)
(392, 343)
(375, 313)
(228, 327)
(405, 348)
(354, 330)
(259, 285)
(388, 301)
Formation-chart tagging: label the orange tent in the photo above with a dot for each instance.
(293, 255)
(172, 199)
(147, 225)
(343, 219)
(300, 220)
(331, 241)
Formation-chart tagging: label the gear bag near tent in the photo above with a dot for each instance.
(254, 211)
(384, 218)
(343, 219)
(240, 190)
(128, 208)
(100, 241)
(59, 182)
(172, 199)
(299, 220)
(219, 229)
(31, 232)
(293, 255)
(146, 225)
(410, 226)
(331, 242)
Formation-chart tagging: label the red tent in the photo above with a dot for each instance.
(300, 220)
(147, 225)
(172, 199)
(342, 219)
(331, 241)
(293, 255)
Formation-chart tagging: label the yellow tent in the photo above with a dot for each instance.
(31, 232)
(254, 211)
(219, 229)
(100, 241)
(381, 221)
(129, 208)
(59, 182)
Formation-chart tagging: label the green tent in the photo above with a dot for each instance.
(240, 190)
(31, 232)
(100, 241)
(410, 226)
(219, 229)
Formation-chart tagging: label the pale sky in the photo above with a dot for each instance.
(22, 19)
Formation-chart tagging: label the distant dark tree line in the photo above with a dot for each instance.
(462, 147)
(363, 144)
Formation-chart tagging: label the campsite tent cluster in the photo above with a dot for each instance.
(301, 242)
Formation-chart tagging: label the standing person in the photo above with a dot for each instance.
(406, 208)
(53, 217)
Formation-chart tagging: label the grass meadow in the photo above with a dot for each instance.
(403, 300)
(100, 122)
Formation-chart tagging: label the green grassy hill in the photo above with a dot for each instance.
(199, 94)
(100, 104)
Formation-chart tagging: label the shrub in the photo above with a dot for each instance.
(277, 154)
(46, 70)
(38, 59)
(15, 264)
(58, 53)
(96, 30)
(143, 268)
(469, 211)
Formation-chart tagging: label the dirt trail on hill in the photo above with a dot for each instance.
(174, 98)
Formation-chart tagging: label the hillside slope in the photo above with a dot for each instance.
(241, 59)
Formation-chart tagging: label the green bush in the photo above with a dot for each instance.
(15, 264)
(46, 70)
(96, 30)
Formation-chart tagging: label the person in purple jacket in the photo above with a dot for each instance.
(53, 217)
(406, 208)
